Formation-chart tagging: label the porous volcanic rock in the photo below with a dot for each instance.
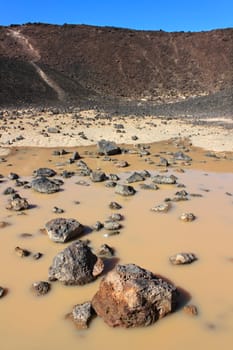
(130, 296)
(17, 203)
(75, 265)
(82, 314)
(61, 230)
(41, 287)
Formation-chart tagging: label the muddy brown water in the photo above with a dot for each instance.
(147, 239)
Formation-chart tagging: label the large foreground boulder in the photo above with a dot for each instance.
(130, 296)
(108, 148)
(75, 265)
(61, 230)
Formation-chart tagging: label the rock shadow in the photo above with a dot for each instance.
(182, 296)
(109, 264)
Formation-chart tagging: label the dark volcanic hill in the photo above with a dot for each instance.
(44, 64)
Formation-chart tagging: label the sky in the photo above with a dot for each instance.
(168, 15)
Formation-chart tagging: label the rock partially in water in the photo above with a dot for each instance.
(62, 230)
(9, 190)
(182, 258)
(82, 315)
(130, 296)
(166, 180)
(180, 156)
(57, 210)
(106, 251)
(75, 265)
(17, 203)
(47, 172)
(191, 310)
(3, 224)
(108, 148)
(180, 196)
(45, 185)
(135, 177)
(98, 176)
(110, 184)
(114, 205)
(41, 287)
(84, 169)
(187, 217)
(97, 226)
(121, 164)
(2, 292)
(112, 225)
(124, 190)
(22, 253)
(162, 208)
(13, 176)
(115, 217)
(151, 186)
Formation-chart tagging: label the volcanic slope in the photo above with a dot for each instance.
(43, 64)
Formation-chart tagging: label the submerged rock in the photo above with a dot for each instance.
(61, 230)
(124, 190)
(130, 296)
(82, 314)
(44, 185)
(112, 225)
(182, 258)
(106, 251)
(75, 265)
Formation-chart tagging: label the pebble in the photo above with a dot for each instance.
(41, 288)
(22, 252)
(162, 208)
(115, 205)
(105, 251)
(2, 291)
(190, 310)
(187, 217)
(182, 258)
(57, 210)
(112, 225)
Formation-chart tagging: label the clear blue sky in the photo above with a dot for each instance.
(168, 15)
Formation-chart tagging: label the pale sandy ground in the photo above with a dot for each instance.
(34, 131)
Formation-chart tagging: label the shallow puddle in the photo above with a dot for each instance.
(146, 239)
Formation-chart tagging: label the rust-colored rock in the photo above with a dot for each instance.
(130, 296)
